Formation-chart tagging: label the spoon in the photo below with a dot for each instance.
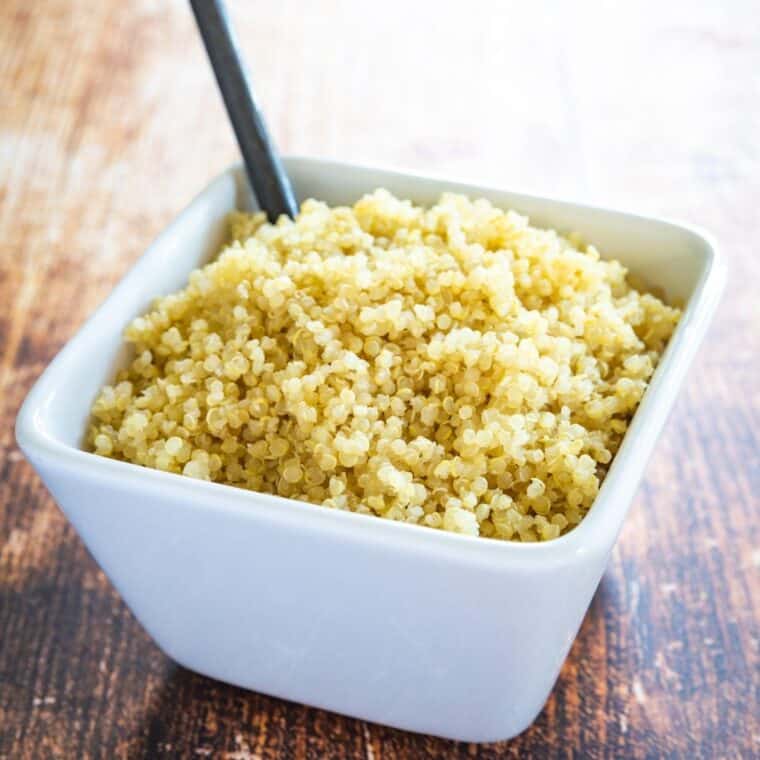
(266, 173)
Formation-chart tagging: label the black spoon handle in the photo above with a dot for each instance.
(266, 174)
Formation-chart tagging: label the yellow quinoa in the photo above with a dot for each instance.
(451, 367)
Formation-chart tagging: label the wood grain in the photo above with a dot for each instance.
(110, 123)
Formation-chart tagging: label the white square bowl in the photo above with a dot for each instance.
(423, 630)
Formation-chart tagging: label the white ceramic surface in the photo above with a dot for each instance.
(445, 634)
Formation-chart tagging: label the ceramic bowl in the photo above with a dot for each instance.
(429, 631)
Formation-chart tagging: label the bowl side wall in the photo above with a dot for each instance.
(425, 642)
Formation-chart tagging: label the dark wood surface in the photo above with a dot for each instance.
(109, 123)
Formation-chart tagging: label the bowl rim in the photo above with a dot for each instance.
(595, 533)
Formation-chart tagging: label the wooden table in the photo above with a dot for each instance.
(110, 123)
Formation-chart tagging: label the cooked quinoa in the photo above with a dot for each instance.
(451, 367)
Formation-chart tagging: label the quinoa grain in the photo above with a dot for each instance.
(451, 367)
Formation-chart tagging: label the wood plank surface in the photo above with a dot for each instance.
(110, 123)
